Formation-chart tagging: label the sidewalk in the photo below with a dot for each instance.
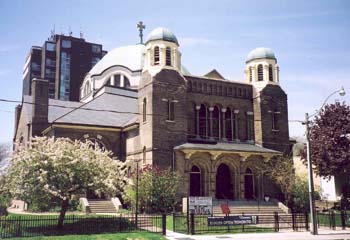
(287, 235)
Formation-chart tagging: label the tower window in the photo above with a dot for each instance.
(144, 111)
(168, 56)
(250, 74)
(156, 55)
(270, 73)
(260, 73)
(171, 110)
(274, 121)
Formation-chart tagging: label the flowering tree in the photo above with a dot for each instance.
(63, 168)
(157, 189)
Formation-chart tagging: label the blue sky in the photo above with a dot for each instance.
(311, 40)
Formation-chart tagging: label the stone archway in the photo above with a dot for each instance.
(223, 183)
(195, 181)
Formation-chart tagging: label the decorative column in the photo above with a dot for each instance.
(235, 112)
(197, 120)
(187, 172)
(112, 80)
(211, 109)
(242, 159)
(212, 177)
(122, 83)
(266, 73)
(223, 136)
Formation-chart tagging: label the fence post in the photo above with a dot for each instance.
(276, 222)
(164, 224)
(174, 217)
(192, 223)
(293, 220)
(306, 221)
(342, 217)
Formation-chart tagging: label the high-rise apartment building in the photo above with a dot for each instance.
(64, 62)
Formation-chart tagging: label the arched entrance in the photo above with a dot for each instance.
(195, 181)
(223, 183)
(248, 184)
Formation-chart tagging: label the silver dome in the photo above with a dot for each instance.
(261, 52)
(162, 34)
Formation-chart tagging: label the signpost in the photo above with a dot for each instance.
(232, 220)
(200, 205)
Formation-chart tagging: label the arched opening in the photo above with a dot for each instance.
(126, 82)
(195, 181)
(223, 183)
(229, 124)
(203, 121)
(248, 184)
(216, 122)
(156, 55)
(168, 56)
(260, 73)
(270, 73)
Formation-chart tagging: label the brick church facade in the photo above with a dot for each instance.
(142, 104)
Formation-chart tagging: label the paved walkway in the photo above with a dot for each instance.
(287, 235)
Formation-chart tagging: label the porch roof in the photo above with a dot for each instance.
(227, 147)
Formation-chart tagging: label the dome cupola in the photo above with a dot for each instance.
(163, 34)
(161, 51)
(261, 67)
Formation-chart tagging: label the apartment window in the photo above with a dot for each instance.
(156, 55)
(50, 62)
(260, 73)
(144, 110)
(168, 56)
(270, 73)
(94, 60)
(65, 76)
(96, 48)
(50, 46)
(66, 44)
(35, 67)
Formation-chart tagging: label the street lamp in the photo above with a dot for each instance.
(314, 231)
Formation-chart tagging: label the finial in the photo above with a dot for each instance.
(141, 26)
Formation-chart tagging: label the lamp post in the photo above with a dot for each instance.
(314, 231)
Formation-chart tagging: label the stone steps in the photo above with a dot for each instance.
(101, 206)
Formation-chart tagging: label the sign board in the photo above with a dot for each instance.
(232, 220)
(200, 205)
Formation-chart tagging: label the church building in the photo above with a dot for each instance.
(141, 103)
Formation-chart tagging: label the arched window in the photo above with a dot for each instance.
(144, 111)
(249, 184)
(126, 82)
(203, 121)
(168, 56)
(195, 181)
(216, 123)
(229, 124)
(270, 73)
(250, 74)
(260, 72)
(87, 88)
(156, 55)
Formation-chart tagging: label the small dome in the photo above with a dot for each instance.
(261, 52)
(162, 34)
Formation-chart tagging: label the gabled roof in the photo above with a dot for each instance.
(214, 74)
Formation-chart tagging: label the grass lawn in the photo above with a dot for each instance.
(116, 236)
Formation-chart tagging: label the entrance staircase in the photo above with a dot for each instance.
(98, 206)
(247, 207)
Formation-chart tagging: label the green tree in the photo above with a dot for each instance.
(156, 189)
(281, 171)
(62, 168)
(330, 140)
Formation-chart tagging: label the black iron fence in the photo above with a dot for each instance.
(30, 226)
(199, 224)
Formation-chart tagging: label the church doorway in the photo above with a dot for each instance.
(195, 181)
(223, 183)
(248, 184)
